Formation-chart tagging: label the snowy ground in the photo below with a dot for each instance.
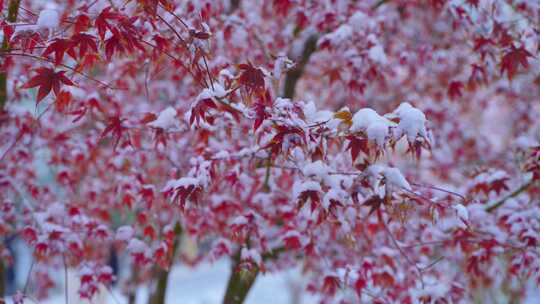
(205, 284)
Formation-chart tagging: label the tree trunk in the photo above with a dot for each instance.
(295, 73)
(13, 10)
(158, 296)
(240, 283)
(2, 280)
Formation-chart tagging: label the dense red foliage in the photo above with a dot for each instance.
(255, 129)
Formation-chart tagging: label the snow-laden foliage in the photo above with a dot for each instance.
(389, 148)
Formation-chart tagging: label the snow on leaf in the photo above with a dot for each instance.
(412, 122)
(364, 118)
(394, 177)
(124, 233)
(461, 212)
(165, 120)
(48, 18)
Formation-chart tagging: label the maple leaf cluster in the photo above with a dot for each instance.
(390, 149)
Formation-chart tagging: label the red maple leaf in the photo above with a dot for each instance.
(103, 19)
(375, 202)
(356, 145)
(275, 145)
(473, 3)
(260, 114)
(115, 127)
(121, 42)
(359, 285)
(62, 101)
(454, 89)
(82, 23)
(47, 79)
(8, 30)
(292, 242)
(251, 77)
(85, 42)
(331, 284)
(59, 47)
(513, 59)
(27, 40)
(200, 110)
(282, 7)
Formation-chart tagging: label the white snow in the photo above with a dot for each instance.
(251, 255)
(394, 177)
(165, 120)
(366, 117)
(209, 93)
(490, 176)
(524, 142)
(314, 116)
(239, 221)
(124, 233)
(298, 189)
(281, 63)
(376, 53)
(334, 194)
(342, 33)
(436, 288)
(204, 283)
(181, 182)
(359, 20)
(137, 246)
(48, 18)
(316, 169)
(283, 104)
(412, 121)
(378, 132)
(461, 212)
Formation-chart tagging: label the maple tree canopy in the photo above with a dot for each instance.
(388, 149)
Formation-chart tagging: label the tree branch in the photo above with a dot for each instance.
(515, 193)
(294, 74)
(379, 4)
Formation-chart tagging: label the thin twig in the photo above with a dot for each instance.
(175, 16)
(65, 277)
(440, 189)
(515, 193)
(402, 252)
(379, 4)
(67, 67)
(25, 288)
(437, 260)
(208, 71)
